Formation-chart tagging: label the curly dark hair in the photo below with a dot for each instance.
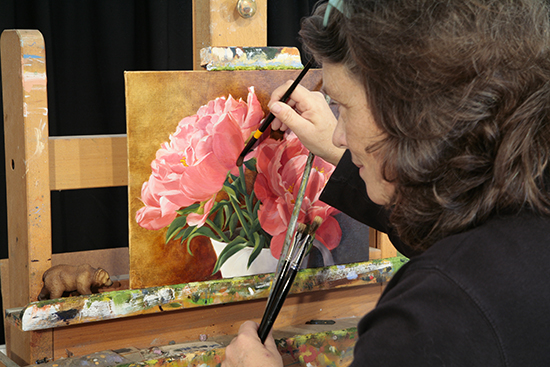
(461, 89)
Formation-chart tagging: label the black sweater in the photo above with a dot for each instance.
(478, 298)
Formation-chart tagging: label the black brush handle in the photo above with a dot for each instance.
(277, 285)
(282, 287)
(278, 299)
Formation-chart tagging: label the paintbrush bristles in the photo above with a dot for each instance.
(240, 161)
(302, 228)
(314, 226)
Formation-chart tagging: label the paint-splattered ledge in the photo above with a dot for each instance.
(320, 348)
(250, 58)
(124, 303)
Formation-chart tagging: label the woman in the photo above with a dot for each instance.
(444, 116)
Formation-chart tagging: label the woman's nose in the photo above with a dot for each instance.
(339, 135)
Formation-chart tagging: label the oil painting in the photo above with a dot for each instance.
(194, 214)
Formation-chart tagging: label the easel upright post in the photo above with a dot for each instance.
(28, 191)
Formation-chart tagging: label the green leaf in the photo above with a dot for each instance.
(227, 209)
(255, 227)
(230, 189)
(242, 181)
(251, 164)
(240, 213)
(178, 236)
(217, 206)
(266, 238)
(190, 209)
(257, 249)
(189, 237)
(233, 221)
(220, 235)
(219, 219)
(256, 207)
(247, 216)
(231, 249)
(198, 231)
(186, 233)
(249, 200)
(204, 231)
(175, 227)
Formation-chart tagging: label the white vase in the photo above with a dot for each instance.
(235, 266)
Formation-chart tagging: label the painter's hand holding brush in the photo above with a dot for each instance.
(254, 345)
(309, 116)
(247, 349)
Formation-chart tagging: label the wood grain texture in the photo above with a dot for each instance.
(27, 181)
(88, 161)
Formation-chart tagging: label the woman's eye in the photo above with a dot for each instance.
(334, 106)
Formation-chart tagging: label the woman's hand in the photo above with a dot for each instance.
(247, 349)
(309, 116)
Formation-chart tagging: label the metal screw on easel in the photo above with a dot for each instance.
(246, 8)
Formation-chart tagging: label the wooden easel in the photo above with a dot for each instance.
(37, 164)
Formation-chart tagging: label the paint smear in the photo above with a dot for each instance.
(32, 80)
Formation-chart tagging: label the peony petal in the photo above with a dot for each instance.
(280, 166)
(200, 181)
(276, 245)
(254, 115)
(150, 218)
(195, 219)
(329, 233)
(227, 143)
(270, 219)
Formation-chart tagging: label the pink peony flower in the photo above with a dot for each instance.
(193, 165)
(280, 166)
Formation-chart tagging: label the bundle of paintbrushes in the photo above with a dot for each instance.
(301, 243)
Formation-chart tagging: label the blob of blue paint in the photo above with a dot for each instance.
(67, 315)
(352, 275)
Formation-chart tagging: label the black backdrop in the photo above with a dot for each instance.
(89, 44)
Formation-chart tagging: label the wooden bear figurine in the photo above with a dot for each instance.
(68, 278)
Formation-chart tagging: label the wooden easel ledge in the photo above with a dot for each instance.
(124, 303)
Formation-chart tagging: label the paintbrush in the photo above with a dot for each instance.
(271, 117)
(302, 242)
(290, 233)
(296, 210)
(285, 263)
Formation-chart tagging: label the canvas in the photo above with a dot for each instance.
(156, 102)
